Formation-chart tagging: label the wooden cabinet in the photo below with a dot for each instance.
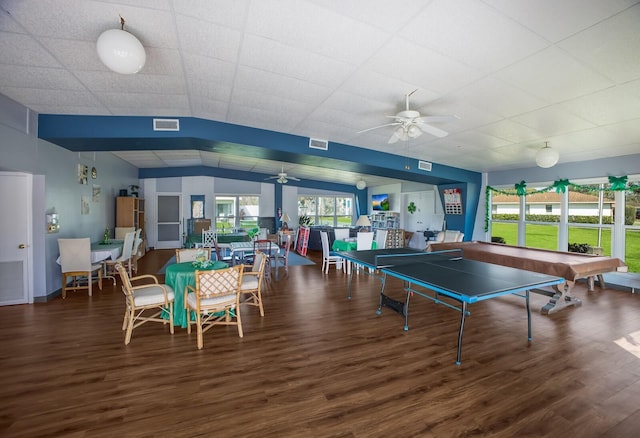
(130, 213)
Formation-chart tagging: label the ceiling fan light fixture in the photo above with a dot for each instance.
(547, 157)
(121, 51)
(414, 132)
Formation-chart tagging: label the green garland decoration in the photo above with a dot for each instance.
(617, 184)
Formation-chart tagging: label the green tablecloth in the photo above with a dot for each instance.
(343, 245)
(179, 276)
(192, 239)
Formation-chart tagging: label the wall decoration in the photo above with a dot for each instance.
(616, 183)
(96, 192)
(452, 201)
(83, 173)
(85, 206)
(94, 172)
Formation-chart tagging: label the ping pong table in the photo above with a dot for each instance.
(445, 273)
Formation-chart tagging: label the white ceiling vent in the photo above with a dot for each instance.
(424, 165)
(314, 143)
(166, 124)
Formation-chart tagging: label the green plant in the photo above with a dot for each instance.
(305, 221)
(498, 239)
(582, 248)
(411, 207)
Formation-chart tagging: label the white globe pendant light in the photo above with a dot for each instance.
(547, 157)
(120, 51)
(361, 185)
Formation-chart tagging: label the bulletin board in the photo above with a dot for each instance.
(303, 241)
(452, 201)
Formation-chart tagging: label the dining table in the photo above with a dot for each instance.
(179, 276)
(350, 244)
(240, 249)
(104, 250)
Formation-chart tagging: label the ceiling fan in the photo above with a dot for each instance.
(410, 124)
(282, 177)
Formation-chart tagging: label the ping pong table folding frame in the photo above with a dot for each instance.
(380, 264)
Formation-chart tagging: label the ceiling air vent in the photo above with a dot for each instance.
(166, 125)
(314, 143)
(424, 165)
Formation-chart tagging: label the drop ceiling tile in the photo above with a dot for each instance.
(202, 38)
(610, 47)
(554, 76)
(496, 97)
(511, 131)
(264, 82)
(472, 33)
(382, 14)
(567, 17)
(37, 77)
(553, 120)
(222, 12)
(106, 81)
(404, 60)
(133, 100)
(315, 29)
(24, 50)
(612, 105)
(264, 54)
(59, 98)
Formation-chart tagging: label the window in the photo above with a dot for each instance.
(548, 208)
(334, 211)
(236, 212)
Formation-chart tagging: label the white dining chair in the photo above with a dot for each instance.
(364, 240)
(124, 259)
(341, 233)
(327, 258)
(381, 238)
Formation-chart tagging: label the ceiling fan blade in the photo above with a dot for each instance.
(272, 177)
(436, 132)
(381, 126)
(426, 119)
(293, 178)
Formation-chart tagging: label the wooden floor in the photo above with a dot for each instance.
(319, 365)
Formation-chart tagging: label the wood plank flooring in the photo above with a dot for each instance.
(319, 365)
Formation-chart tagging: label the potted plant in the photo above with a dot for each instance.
(134, 190)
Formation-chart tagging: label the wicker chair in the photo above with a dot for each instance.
(144, 297)
(75, 260)
(252, 276)
(215, 300)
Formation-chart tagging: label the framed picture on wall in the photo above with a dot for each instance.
(83, 173)
(452, 201)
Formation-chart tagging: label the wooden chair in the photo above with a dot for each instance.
(284, 259)
(264, 246)
(252, 276)
(192, 254)
(124, 259)
(144, 297)
(215, 300)
(327, 258)
(75, 261)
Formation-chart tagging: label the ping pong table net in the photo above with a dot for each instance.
(390, 260)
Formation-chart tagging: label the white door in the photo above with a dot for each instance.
(169, 222)
(15, 238)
